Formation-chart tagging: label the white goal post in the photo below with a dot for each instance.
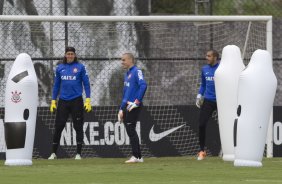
(267, 19)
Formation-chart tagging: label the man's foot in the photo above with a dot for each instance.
(202, 155)
(140, 160)
(133, 159)
(77, 157)
(52, 156)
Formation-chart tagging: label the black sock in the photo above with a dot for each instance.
(78, 148)
(55, 147)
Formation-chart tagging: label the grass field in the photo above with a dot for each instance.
(170, 170)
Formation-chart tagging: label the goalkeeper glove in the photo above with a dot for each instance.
(53, 106)
(132, 105)
(87, 105)
(199, 101)
(120, 116)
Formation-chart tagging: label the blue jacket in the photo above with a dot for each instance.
(134, 86)
(68, 81)
(207, 88)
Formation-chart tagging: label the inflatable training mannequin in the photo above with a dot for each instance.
(226, 86)
(21, 100)
(256, 92)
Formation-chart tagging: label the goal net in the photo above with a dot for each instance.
(170, 51)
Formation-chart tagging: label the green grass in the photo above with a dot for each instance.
(171, 170)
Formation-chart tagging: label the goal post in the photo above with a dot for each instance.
(170, 50)
(133, 18)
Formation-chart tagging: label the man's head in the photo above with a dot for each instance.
(70, 55)
(212, 56)
(127, 60)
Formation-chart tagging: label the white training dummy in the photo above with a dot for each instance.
(256, 92)
(226, 86)
(21, 101)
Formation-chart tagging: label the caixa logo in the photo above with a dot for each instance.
(96, 133)
(277, 133)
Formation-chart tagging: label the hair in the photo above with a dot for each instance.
(130, 55)
(69, 49)
(214, 53)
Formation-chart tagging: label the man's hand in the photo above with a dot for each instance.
(87, 105)
(120, 116)
(131, 105)
(53, 106)
(199, 101)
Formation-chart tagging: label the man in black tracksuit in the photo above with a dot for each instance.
(70, 78)
(206, 98)
(134, 89)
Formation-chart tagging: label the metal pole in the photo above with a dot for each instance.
(51, 53)
(51, 29)
(269, 150)
(150, 7)
(196, 8)
(211, 6)
(211, 26)
(246, 40)
(66, 24)
(173, 18)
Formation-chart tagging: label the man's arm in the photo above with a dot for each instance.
(85, 80)
(86, 84)
(57, 83)
(56, 88)
(123, 104)
(142, 87)
(199, 99)
(124, 101)
(203, 84)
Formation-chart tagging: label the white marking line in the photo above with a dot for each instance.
(201, 181)
(265, 181)
(251, 181)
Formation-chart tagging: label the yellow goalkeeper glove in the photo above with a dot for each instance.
(87, 105)
(53, 106)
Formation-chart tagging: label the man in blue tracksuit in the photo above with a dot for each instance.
(70, 78)
(206, 98)
(133, 92)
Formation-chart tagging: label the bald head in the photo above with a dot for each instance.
(130, 56)
(127, 60)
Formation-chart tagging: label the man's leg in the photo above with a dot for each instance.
(60, 122)
(205, 113)
(130, 120)
(77, 117)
